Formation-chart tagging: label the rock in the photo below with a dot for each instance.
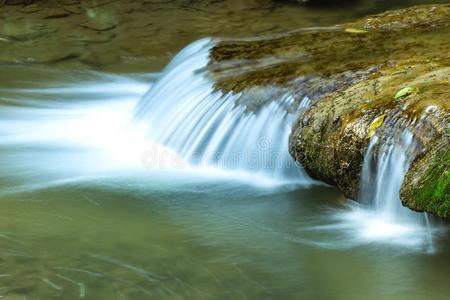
(326, 2)
(427, 184)
(362, 77)
(73, 9)
(99, 26)
(26, 34)
(29, 9)
(427, 17)
(97, 37)
(329, 53)
(99, 59)
(156, 1)
(334, 152)
(54, 13)
(17, 2)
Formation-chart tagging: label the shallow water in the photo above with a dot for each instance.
(124, 36)
(155, 239)
(85, 214)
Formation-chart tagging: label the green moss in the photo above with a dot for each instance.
(330, 137)
(433, 192)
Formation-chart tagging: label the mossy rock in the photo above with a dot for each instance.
(331, 137)
(340, 53)
(362, 77)
(427, 184)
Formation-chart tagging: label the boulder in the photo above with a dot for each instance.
(362, 77)
(331, 137)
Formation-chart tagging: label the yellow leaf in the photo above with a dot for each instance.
(375, 124)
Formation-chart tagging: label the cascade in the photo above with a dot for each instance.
(384, 168)
(245, 131)
(386, 162)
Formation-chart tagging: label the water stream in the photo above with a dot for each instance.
(246, 132)
(157, 186)
(382, 215)
(382, 180)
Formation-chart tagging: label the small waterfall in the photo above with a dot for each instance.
(386, 162)
(245, 131)
(383, 172)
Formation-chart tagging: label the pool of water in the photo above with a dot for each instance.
(167, 237)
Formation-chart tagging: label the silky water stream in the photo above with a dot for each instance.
(112, 190)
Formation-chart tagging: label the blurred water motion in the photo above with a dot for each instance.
(82, 217)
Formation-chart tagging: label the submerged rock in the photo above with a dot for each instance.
(363, 78)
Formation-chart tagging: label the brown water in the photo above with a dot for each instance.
(76, 224)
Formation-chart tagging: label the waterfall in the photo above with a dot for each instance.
(245, 131)
(383, 171)
(386, 162)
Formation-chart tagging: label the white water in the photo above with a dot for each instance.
(246, 131)
(70, 126)
(383, 174)
(384, 169)
(63, 130)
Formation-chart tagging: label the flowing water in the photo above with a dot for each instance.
(385, 165)
(155, 186)
(86, 214)
(382, 182)
(246, 132)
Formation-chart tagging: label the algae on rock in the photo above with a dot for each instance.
(393, 67)
(427, 184)
(331, 137)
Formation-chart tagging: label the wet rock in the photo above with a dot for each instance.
(29, 9)
(427, 184)
(334, 152)
(156, 1)
(27, 33)
(391, 67)
(54, 13)
(99, 59)
(99, 26)
(326, 2)
(73, 9)
(414, 18)
(34, 51)
(17, 2)
(329, 52)
(97, 37)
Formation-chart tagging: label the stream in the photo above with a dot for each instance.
(151, 185)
